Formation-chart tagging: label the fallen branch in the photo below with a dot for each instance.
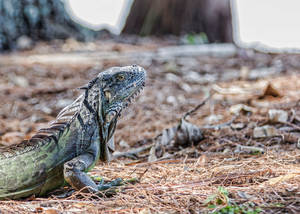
(220, 126)
(133, 153)
(291, 124)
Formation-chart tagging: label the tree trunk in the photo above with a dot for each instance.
(160, 17)
(38, 20)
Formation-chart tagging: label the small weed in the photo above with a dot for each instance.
(196, 39)
(221, 198)
(238, 209)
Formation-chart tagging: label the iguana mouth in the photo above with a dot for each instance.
(132, 97)
(118, 108)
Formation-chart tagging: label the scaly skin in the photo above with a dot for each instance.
(81, 135)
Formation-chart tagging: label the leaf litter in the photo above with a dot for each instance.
(190, 154)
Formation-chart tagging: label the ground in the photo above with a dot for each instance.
(250, 163)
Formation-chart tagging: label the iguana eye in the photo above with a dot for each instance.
(120, 77)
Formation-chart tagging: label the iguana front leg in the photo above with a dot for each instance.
(74, 172)
(75, 169)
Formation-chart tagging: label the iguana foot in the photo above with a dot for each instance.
(96, 178)
(131, 181)
(110, 188)
(65, 194)
(115, 183)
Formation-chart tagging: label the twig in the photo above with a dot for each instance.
(249, 149)
(291, 124)
(293, 115)
(191, 160)
(141, 175)
(132, 153)
(219, 126)
(289, 137)
(198, 106)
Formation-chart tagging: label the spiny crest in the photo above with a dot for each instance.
(90, 84)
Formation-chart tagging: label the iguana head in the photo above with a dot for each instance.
(115, 87)
(119, 86)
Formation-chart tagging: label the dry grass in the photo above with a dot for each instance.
(270, 181)
(183, 184)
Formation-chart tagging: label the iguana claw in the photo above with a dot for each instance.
(110, 188)
(115, 183)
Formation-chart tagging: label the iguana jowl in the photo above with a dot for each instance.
(81, 134)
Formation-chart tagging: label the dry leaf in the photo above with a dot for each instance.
(265, 131)
(280, 179)
(39, 209)
(187, 134)
(277, 115)
(51, 211)
(182, 135)
(11, 138)
(240, 108)
(145, 211)
(80, 205)
(270, 91)
(202, 160)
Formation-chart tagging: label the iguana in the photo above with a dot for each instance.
(81, 134)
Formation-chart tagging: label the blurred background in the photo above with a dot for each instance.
(267, 24)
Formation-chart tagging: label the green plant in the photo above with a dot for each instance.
(194, 39)
(221, 199)
(238, 209)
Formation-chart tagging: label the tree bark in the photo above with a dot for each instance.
(38, 20)
(161, 17)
